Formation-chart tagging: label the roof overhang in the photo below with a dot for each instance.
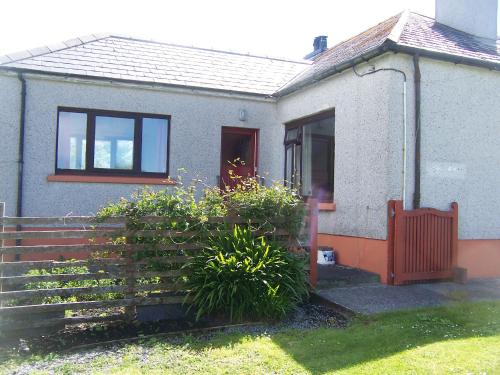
(388, 46)
(143, 84)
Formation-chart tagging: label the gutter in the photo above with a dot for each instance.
(490, 65)
(143, 84)
(20, 161)
(389, 45)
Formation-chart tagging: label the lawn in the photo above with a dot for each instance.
(462, 338)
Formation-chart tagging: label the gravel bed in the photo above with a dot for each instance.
(306, 316)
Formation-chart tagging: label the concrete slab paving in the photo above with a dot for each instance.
(376, 298)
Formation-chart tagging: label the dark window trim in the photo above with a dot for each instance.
(90, 170)
(299, 124)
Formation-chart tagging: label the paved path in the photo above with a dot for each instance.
(375, 298)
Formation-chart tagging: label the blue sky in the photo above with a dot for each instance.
(264, 27)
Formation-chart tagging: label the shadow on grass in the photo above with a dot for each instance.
(381, 336)
(375, 337)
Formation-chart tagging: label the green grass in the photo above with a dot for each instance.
(462, 338)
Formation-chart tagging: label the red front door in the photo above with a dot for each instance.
(238, 155)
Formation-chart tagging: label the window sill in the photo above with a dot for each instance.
(112, 179)
(327, 206)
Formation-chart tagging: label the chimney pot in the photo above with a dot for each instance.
(320, 45)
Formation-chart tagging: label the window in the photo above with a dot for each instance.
(118, 143)
(310, 155)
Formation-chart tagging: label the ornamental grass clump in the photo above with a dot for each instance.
(244, 276)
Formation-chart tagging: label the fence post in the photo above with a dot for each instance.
(130, 311)
(2, 214)
(313, 238)
(391, 227)
(454, 245)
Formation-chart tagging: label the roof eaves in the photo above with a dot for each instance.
(437, 55)
(135, 82)
(335, 69)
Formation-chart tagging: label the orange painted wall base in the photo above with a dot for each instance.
(364, 253)
(481, 258)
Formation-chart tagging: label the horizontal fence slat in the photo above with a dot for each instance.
(22, 280)
(11, 325)
(33, 309)
(56, 234)
(110, 233)
(39, 264)
(92, 220)
(180, 259)
(161, 274)
(65, 220)
(78, 291)
(39, 249)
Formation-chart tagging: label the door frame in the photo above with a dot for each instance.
(254, 132)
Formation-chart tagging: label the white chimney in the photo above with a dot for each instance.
(477, 17)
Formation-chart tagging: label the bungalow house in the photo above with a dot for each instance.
(408, 110)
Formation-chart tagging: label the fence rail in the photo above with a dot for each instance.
(111, 276)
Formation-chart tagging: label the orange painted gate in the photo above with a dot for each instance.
(422, 243)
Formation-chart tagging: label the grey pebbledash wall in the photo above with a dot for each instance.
(10, 106)
(461, 144)
(195, 138)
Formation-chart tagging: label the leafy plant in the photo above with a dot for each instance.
(245, 276)
(264, 279)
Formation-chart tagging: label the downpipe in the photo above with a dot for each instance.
(20, 160)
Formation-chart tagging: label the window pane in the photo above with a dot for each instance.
(289, 165)
(154, 145)
(291, 135)
(114, 143)
(71, 140)
(318, 146)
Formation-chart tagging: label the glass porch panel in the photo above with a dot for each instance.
(318, 159)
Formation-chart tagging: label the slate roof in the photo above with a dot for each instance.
(426, 34)
(123, 58)
(408, 32)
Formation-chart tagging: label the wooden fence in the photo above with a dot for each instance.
(115, 275)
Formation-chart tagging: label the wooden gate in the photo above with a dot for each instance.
(422, 243)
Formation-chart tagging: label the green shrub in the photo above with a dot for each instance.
(245, 277)
(266, 203)
(262, 279)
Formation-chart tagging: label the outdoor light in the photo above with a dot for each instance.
(243, 115)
